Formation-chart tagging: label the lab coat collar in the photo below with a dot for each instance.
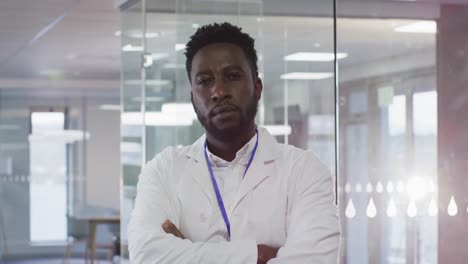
(268, 151)
(268, 148)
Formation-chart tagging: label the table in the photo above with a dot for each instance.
(94, 221)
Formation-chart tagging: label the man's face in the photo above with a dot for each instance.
(225, 93)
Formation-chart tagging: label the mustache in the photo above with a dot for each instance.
(221, 107)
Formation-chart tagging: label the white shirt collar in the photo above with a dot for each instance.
(242, 155)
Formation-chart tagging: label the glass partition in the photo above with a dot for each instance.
(399, 93)
(398, 182)
(295, 64)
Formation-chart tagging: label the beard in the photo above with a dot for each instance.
(231, 133)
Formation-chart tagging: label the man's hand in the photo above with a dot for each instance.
(265, 253)
(170, 228)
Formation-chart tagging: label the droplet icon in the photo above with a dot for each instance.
(347, 187)
(452, 209)
(350, 211)
(379, 187)
(369, 187)
(412, 211)
(391, 209)
(371, 210)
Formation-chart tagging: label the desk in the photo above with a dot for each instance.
(93, 223)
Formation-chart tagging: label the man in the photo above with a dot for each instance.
(235, 195)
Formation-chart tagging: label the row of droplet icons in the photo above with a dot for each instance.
(391, 187)
(411, 210)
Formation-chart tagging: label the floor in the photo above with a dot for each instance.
(52, 261)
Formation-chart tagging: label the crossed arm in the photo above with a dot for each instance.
(265, 253)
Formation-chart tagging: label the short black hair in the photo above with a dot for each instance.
(218, 33)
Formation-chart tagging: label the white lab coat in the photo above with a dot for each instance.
(285, 200)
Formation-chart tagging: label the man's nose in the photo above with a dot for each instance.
(220, 91)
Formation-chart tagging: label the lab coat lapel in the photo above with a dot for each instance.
(262, 167)
(201, 177)
(255, 175)
(200, 174)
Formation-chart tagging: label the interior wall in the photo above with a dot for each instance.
(102, 154)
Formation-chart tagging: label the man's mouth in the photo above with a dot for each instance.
(224, 109)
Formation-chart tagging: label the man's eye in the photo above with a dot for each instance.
(234, 76)
(203, 81)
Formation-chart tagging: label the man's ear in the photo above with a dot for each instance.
(258, 87)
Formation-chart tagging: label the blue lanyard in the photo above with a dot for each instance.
(215, 185)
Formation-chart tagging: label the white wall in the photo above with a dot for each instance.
(103, 157)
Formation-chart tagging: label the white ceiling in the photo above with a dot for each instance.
(65, 41)
(59, 40)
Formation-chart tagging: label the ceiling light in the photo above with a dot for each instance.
(117, 33)
(195, 25)
(137, 34)
(314, 56)
(418, 27)
(179, 46)
(148, 82)
(174, 66)
(110, 107)
(156, 119)
(306, 75)
(150, 99)
(129, 47)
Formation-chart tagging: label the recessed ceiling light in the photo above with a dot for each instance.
(314, 56)
(130, 47)
(117, 33)
(419, 27)
(179, 46)
(138, 34)
(195, 25)
(306, 75)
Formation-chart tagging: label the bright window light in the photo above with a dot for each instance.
(397, 116)
(417, 187)
(419, 27)
(425, 113)
(306, 75)
(48, 190)
(314, 56)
